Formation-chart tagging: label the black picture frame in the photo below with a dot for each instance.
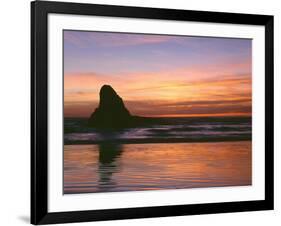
(39, 112)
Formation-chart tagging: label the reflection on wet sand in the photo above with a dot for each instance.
(134, 167)
(108, 155)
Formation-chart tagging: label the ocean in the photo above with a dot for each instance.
(182, 153)
(202, 129)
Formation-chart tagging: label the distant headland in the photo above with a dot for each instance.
(112, 112)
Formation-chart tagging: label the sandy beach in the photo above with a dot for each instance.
(137, 167)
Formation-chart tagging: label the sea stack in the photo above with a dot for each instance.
(111, 112)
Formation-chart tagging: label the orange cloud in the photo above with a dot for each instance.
(182, 92)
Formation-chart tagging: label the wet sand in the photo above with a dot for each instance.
(116, 167)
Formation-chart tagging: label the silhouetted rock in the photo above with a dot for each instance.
(112, 113)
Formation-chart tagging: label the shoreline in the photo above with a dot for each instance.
(157, 140)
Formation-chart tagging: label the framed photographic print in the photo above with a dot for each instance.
(145, 112)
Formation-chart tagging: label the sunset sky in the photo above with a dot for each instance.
(158, 75)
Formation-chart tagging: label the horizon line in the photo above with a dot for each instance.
(238, 115)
